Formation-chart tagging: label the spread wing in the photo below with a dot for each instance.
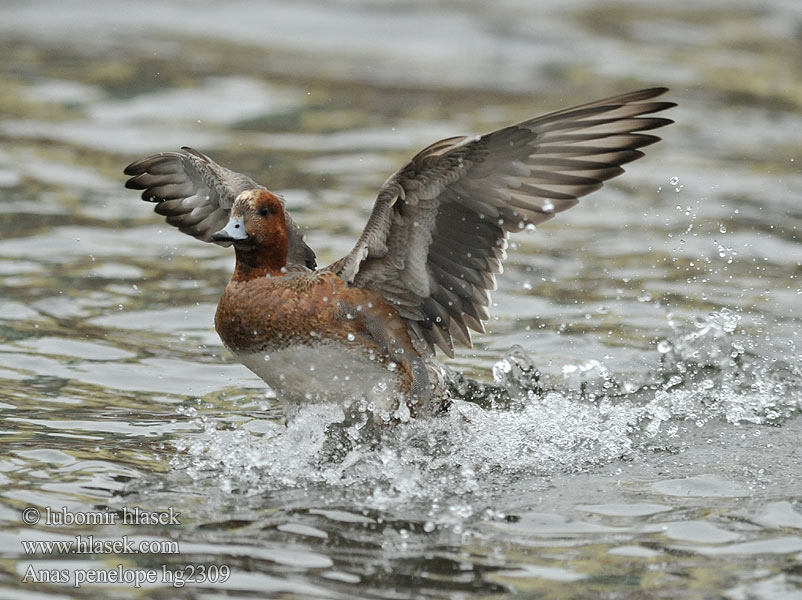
(438, 231)
(196, 195)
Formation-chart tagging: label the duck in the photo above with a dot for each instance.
(368, 326)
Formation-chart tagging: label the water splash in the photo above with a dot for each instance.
(520, 426)
(727, 375)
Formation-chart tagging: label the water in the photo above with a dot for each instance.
(629, 426)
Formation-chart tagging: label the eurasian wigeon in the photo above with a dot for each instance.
(366, 327)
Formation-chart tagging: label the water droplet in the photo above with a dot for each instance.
(674, 380)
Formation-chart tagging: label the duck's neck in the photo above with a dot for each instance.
(256, 263)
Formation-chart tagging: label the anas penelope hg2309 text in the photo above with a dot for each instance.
(420, 275)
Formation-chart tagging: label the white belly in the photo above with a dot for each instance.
(328, 372)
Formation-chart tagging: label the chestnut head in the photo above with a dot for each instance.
(256, 219)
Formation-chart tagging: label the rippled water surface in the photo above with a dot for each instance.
(628, 428)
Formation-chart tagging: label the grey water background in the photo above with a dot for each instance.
(660, 456)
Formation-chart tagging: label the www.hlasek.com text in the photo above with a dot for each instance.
(89, 544)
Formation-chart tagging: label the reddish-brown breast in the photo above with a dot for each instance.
(274, 312)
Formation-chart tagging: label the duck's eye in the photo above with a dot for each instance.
(264, 211)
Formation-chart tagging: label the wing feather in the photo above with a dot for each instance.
(438, 231)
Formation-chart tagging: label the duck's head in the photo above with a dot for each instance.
(257, 225)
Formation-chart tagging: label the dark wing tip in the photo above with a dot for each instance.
(646, 94)
(135, 168)
(627, 98)
(138, 170)
(653, 123)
